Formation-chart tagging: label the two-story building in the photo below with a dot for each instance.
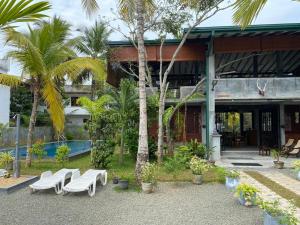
(251, 94)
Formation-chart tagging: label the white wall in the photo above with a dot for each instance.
(4, 104)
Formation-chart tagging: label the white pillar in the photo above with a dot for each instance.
(203, 124)
(216, 144)
(281, 124)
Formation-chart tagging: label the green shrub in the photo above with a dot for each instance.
(173, 166)
(247, 191)
(69, 136)
(38, 149)
(149, 173)
(101, 153)
(5, 159)
(62, 154)
(199, 166)
(234, 174)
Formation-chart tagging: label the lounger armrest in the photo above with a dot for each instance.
(75, 175)
(46, 174)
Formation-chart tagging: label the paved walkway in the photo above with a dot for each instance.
(265, 193)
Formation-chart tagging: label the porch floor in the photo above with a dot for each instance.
(250, 156)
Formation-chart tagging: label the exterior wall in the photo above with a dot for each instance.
(5, 104)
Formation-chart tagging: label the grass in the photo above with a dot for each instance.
(275, 187)
(126, 170)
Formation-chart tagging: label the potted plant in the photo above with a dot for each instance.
(232, 179)
(276, 153)
(296, 166)
(115, 179)
(274, 214)
(198, 167)
(123, 182)
(6, 160)
(148, 177)
(246, 194)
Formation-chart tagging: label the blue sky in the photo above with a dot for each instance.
(276, 11)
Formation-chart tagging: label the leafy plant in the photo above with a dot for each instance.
(101, 153)
(173, 166)
(38, 149)
(248, 192)
(199, 166)
(234, 174)
(148, 174)
(285, 216)
(5, 159)
(296, 165)
(62, 154)
(276, 153)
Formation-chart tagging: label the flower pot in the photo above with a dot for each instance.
(278, 164)
(115, 180)
(243, 201)
(270, 220)
(231, 183)
(298, 175)
(123, 184)
(197, 179)
(147, 187)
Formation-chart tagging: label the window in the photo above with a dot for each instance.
(247, 122)
(297, 117)
(74, 101)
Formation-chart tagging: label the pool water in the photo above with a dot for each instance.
(77, 147)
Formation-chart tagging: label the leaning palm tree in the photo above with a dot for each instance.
(245, 11)
(124, 107)
(46, 57)
(13, 11)
(93, 43)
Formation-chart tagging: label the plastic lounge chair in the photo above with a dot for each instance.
(56, 180)
(295, 150)
(288, 146)
(86, 182)
(3, 172)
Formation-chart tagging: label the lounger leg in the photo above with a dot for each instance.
(58, 188)
(32, 191)
(92, 189)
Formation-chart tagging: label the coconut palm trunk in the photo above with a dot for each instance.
(160, 136)
(121, 159)
(32, 124)
(142, 154)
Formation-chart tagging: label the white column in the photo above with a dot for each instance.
(203, 124)
(281, 124)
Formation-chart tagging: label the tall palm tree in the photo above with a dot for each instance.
(124, 106)
(245, 11)
(46, 57)
(93, 43)
(13, 11)
(90, 6)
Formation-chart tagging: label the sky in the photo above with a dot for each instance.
(276, 11)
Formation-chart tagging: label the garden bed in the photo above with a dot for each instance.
(8, 185)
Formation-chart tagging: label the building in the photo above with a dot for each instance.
(251, 94)
(4, 94)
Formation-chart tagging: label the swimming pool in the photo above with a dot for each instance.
(77, 147)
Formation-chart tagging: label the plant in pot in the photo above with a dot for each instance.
(274, 214)
(246, 194)
(198, 167)
(115, 179)
(148, 177)
(6, 160)
(296, 166)
(123, 182)
(232, 179)
(276, 153)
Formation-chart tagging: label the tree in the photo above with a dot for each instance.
(93, 43)
(245, 11)
(124, 107)
(90, 6)
(13, 11)
(46, 57)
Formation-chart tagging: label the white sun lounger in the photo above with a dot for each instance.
(3, 172)
(56, 180)
(86, 182)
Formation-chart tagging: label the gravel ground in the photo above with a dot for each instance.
(182, 203)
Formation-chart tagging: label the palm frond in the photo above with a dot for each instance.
(127, 9)
(10, 80)
(12, 11)
(53, 100)
(245, 11)
(74, 67)
(90, 6)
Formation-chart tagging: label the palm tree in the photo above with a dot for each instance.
(90, 6)
(13, 11)
(93, 43)
(124, 107)
(245, 11)
(46, 57)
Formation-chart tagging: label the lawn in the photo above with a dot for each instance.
(126, 170)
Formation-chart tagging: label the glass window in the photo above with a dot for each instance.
(296, 117)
